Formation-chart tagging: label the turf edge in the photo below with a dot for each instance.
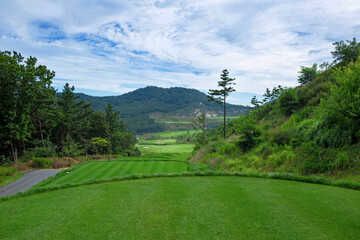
(281, 176)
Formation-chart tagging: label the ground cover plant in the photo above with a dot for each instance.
(186, 208)
(8, 175)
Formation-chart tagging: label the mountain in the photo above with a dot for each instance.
(135, 107)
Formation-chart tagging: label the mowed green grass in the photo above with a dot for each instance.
(106, 170)
(174, 134)
(174, 148)
(158, 142)
(186, 208)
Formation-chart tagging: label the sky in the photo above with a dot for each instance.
(105, 47)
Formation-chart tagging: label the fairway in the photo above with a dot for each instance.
(175, 148)
(105, 170)
(186, 208)
(173, 134)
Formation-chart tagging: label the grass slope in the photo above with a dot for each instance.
(186, 208)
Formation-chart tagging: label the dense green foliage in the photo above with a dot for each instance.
(311, 129)
(36, 123)
(307, 74)
(137, 105)
(186, 208)
(41, 162)
(345, 52)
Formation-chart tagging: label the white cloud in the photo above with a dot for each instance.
(114, 45)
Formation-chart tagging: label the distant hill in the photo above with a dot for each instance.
(135, 107)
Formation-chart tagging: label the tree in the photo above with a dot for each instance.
(346, 52)
(307, 74)
(75, 121)
(288, 101)
(21, 88)
(200, 124)
(219, 96)
(339, 114)
(255, 102)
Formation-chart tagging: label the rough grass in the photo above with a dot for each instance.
(186, 208)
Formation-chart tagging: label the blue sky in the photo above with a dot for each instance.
(113, 47)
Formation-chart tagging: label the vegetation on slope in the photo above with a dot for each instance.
(311, 129)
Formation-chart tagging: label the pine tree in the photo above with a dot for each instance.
(219, 96)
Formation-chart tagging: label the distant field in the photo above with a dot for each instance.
(158, 142)
(173, 134)
(186, 208)
(103, 170)
(175, 148)
(175, 122)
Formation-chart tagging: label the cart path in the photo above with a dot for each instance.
(27, 181)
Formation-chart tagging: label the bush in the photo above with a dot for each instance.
(41, 162)
(249, 134)
(288, 101)
(43, 152)
(229, 149)
(314, 160)
(60, 163)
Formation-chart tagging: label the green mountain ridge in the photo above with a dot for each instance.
(136, 106)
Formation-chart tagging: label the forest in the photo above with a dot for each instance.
(36, 122)
(313, 128)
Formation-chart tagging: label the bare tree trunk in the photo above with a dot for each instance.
(42, 136)
(13, 152)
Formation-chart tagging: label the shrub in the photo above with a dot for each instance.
(313, 159)
(282, 157)
(288, 101)
(60, 163)
(249, 134)
(41, 162)
(228, 149)
(43, 152)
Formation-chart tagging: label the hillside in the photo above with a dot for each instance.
(136, 107)
(313, 128)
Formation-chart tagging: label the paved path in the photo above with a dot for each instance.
(27, 181)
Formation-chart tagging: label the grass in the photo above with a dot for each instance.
(175, 122)
(186, 208)
(158, 142)
(174, 148)
(107, 170)
(173, 134)
(4, 180)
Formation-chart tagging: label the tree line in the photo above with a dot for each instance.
(35, 121)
